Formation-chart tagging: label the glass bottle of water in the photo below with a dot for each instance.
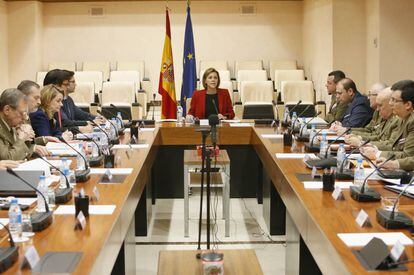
(95, 149)
(340, 155)
(15, 220)
(302, 129)
(63, 167)
(179, 114)
(294, 120)
(359, 174)
(119, 120)
(43, 188)
(80, 163)
(286, 115)
(323, 146)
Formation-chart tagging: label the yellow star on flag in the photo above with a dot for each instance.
(190, 56)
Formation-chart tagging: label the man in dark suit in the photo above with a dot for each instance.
(359, 112)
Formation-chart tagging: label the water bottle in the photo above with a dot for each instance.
(286, 115)
(340, 155)
(179, 114)
(43, 188)
(115, 125)
(294, 120)
(65, 172)
(312, 134)
(359, 174)
(80, 163)
(119, 120)
(302, 129)
(323, 145)
(50, 197)
(95, 149)
(15, 220)
(63, 166)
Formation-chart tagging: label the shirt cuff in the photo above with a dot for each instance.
(378, 154)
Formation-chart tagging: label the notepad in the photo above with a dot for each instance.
(243, 124)
(272, 136)
(133, 146)
(361, 239)
(93, 210)
(293, 156)
(147, 129)
(313, 184)
(231, 120)
(114, 171)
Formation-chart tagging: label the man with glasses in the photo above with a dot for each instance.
(401, 142)
(15, 142)
(358, 112)
(337, 109)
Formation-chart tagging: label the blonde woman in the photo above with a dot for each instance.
(42, 120)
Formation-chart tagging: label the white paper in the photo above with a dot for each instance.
(362, 218)
(231, 120)
(316, 120)
(272, 136)
(51, 179)
(146, 129)
(397, 250)
(81, 219)
(313, 184)
(410, 190)
(361, 239)
(57, 162)
(93, 210)
(4, 222)
(242, 124)
(293, 156)
(343, 184)
(63, 152)
(26, 201)
(337, 193)
(204, 122)
(133, 146)
(34, 165)
(114, 171)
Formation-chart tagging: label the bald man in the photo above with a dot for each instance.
(383, 130)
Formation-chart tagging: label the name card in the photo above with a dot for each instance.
(108, 174)
(31, 258)
(80, 221)
(96, 194)
(337, 194)
(397, 251)
(362, 219)
(204, 122)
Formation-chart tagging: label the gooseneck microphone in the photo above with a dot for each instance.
(94, 161)
(8, 255)
(100, 129)
(348, 174)
(335, 140)
(81, 175)
(307, 123)
(61, 195)
(215, 107)
(113, 125)
(296, 105)
(40, 220)
(393, 219)
(362, 194)
(213, 121)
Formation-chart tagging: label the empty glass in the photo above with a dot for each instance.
(389, 202)
(72, 178)
(27, 230)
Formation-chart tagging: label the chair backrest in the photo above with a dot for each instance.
(281, 65)
(287, 75)
(133, 76)
(100, 66)
(219, 65)
(224, 75)
(90, 76)
(256, 91)
(251, 75)
(119, 93)
(132, 66)
(84, 93)
(40, 76)
(70, 66)
(229, 86)
(248, 65)
(293, 91)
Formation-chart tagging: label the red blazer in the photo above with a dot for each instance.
(198, 104)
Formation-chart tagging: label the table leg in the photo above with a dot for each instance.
(292, 247)
(226, 203)
(125, 262)
(186, 200)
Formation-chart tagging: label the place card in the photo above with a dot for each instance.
(397, 251)
(337, 194)
(80, 221)
(31, 258)
(96, 194)
(313, 184)
(114, 171)
(362, 219)
(204, 122)
(93, 209)
(272, 136)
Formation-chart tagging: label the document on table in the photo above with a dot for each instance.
(294, 156)
(26, 201)
(272, 136)
(4, 222)
(231, 120)
(114, 171)
(34, 165)
(242, 124)
(51, 179)
(133, 146)
(93, 210)
(147, 129)
(319, 184)
(361, 239)
(316, 120)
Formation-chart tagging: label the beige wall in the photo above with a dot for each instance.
(4, 70)
(135, 30)
(372, 42)
(317, 43)
(24, 40)
(396, 40)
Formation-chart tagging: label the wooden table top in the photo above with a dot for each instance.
(236, 261)
(317, 216)
(191, 157)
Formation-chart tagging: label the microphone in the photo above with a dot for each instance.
(362, 194)
(81, 175)
(61, 195)
(40, 220)
(113, 125)
(110, 141)
(335, 140)
(8, 255)
(294, 107)
(93, 161)
(392, 219)
(307, 123)
(215, 107)
(213, 120)
(274, 103)
(348, 175)
(119, 111)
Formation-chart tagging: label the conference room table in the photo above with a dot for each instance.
(311, 219)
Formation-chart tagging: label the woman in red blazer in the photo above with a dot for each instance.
(212, 99)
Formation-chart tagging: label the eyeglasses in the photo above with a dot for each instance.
(393, 100)
(372, 94)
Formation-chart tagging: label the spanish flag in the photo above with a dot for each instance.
(166, 87)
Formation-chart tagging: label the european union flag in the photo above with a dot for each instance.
(189, 63)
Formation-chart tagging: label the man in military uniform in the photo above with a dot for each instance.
(336, 109)
(15, 142)
(401, 142)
